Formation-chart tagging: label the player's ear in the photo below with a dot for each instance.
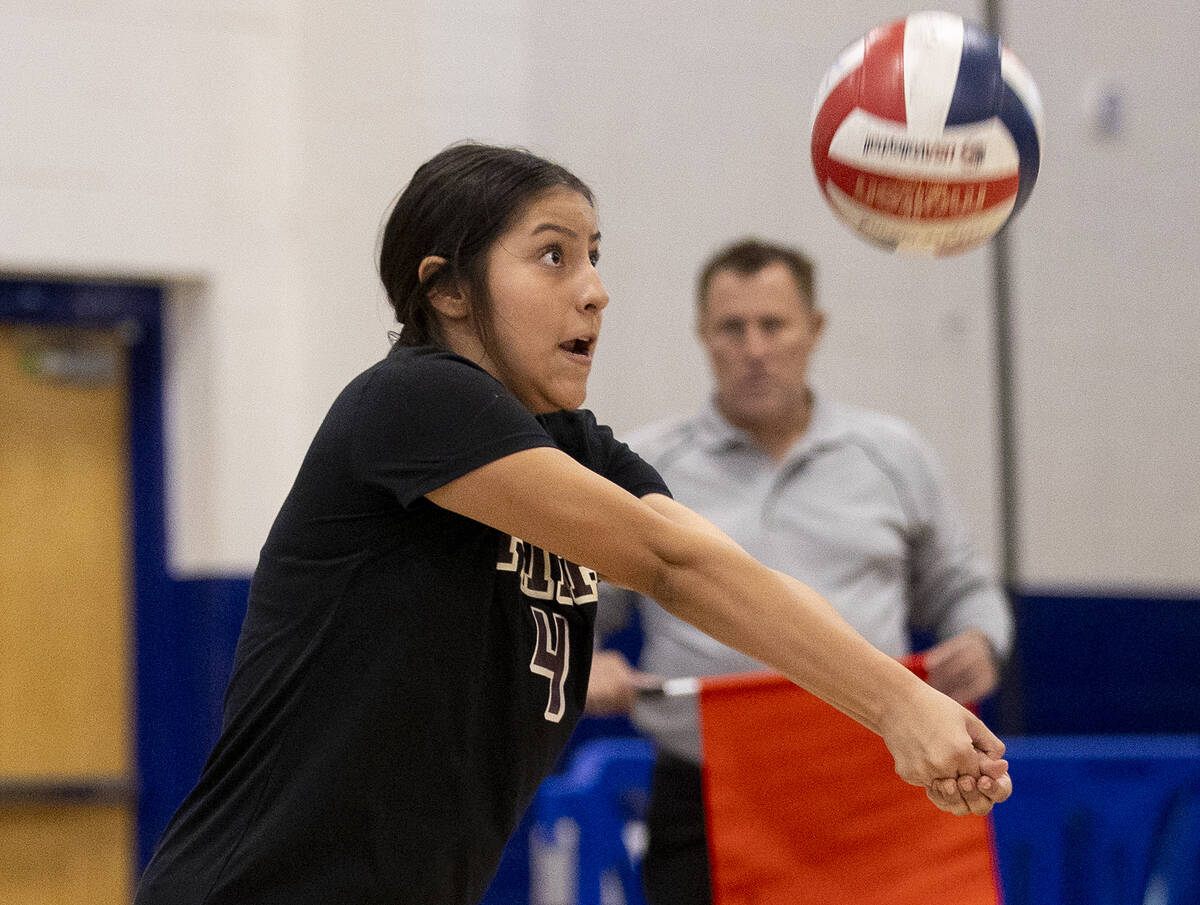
(445, 293)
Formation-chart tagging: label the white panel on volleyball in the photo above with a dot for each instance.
(936, 39)
(939, 157)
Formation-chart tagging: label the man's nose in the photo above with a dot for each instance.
(756, 343)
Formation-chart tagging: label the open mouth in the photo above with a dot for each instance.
(580, 346)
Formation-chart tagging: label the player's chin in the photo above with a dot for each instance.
(568, 395)
(575, 400)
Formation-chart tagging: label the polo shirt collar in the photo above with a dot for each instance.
(827, 425)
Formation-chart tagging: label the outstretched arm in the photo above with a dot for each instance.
(661, 549)
(973, 792)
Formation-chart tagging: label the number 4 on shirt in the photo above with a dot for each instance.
(552, 658)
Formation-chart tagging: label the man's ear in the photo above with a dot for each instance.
(448, 298)
(818, 318)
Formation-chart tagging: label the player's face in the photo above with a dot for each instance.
(760, 331)
(546, 301)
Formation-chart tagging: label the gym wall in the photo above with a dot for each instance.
(244, 154)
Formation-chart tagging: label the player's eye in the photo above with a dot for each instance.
(553, 255)
(594, 256)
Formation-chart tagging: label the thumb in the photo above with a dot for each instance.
(993, 768)
(984, 739)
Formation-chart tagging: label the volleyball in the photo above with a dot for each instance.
(927, 135)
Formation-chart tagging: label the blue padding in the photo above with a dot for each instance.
(605, 788)
(1090, 820)
(1175, 858)
(1094, 665)
(186, 640)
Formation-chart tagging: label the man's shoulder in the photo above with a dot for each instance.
(659, 439)
(885, 434)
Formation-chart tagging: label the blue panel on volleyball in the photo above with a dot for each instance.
(1016, 118)
(979, 87)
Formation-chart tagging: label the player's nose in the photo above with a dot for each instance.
(593, 296)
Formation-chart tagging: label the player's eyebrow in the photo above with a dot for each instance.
(565, 230)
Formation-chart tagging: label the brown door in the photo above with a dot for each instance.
(66, 769)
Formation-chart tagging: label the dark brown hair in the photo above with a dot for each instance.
(455, 207)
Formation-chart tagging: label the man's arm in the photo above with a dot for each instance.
(954, 595)
(614, 683)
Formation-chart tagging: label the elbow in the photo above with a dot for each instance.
(688, 567)
(661, 573)
(683, 580)
(663, 580)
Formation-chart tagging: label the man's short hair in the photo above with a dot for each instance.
(749, 256)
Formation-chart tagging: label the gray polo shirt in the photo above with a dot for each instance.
(857, 509)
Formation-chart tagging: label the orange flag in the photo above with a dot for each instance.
(804, 806)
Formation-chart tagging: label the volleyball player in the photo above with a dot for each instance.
(418, 636)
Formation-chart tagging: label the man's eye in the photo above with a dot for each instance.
(594, 257)
(553, 256)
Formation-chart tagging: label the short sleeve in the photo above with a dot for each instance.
(629, 470)
(579, 435)
(426, 417)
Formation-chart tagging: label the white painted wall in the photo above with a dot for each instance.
(692, 124)
(246, 154)
(1107, 320)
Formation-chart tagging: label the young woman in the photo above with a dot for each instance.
(418, 638)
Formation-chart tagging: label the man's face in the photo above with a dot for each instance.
(760, 330)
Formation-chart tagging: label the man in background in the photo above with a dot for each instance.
(848, 501)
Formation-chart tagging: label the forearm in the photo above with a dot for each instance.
(788, 626)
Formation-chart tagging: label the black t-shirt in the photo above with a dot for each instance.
(405, 677)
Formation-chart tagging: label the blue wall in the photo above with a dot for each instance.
(186, 633)
(1095, 664)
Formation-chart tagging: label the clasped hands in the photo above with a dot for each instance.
(973, 794)
(981, 777)
(940, 745)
